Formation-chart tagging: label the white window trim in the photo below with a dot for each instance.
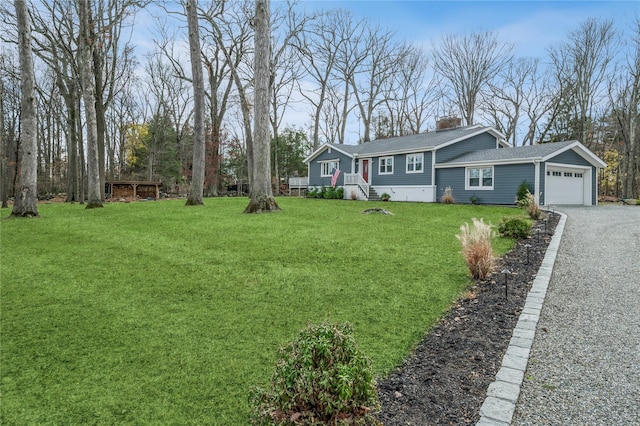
(386, 164)
(328, 162)
(419, 155)
(481, 187)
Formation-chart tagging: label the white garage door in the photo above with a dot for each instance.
(565, 186)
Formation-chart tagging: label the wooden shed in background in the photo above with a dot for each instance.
(133, 189)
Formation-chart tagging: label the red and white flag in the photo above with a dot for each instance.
(334, 177)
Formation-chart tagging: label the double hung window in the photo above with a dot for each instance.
(479, 178)
(414, 163)
(328, 167)
(386, 166)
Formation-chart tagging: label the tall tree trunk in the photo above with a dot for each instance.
(101, 124)
(94, 193)
(25, 204)
(197, 177)
(261, 194)
(4, 176)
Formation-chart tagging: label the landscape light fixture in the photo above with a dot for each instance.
(528, 247)
(506, 274)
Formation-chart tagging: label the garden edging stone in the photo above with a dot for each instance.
(499, 407)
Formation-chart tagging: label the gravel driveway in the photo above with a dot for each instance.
(584, 366)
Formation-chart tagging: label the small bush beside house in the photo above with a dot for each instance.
(326, 192)
(447, 196)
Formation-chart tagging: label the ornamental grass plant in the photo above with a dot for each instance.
(476, 248)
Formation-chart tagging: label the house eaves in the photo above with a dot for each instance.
(343, 149)
(480, 130)
(521, 154)
(581, 151)
(422, 142)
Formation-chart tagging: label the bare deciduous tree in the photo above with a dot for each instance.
(380, 63)
(468, 62)
(624, 95)
(581, 64)
(416, 94)
(9, 124)
(25, 204)
(229, 34)
(317, 46)
(262, 199)
(87, 77)
(504, 100)
(197, 182)
(286, 69)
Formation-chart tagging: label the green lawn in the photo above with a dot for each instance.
(157, 313)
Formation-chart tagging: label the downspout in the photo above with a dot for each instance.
(536, 185)
(433, 175)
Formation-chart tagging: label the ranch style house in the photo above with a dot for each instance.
(475, 161)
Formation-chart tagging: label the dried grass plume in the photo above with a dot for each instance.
(476, 248)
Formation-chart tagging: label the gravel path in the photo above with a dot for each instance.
(584, 366)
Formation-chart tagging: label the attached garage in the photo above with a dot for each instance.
(568, 185)
(558, 173)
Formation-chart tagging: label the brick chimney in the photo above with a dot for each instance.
(448, 123)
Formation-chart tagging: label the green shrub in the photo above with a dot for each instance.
(523, 190)
(329, 192)
(517, 227)
(385, 196)
(325, 192)
(321, 378)
(474, 199)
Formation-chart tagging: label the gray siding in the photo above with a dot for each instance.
(455, 179)
(400, 175)
(476, 143)
(314, 168)
(506, 180)
(569, 157)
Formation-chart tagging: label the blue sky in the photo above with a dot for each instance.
(531, 26)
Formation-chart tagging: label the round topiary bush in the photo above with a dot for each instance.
(321, 378)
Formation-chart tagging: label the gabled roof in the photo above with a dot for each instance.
(521, 154)
(413, 143)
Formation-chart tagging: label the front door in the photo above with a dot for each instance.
(365, 170)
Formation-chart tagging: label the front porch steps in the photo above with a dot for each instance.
(373, 195)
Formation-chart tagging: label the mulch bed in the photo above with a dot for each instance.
(445, 380)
